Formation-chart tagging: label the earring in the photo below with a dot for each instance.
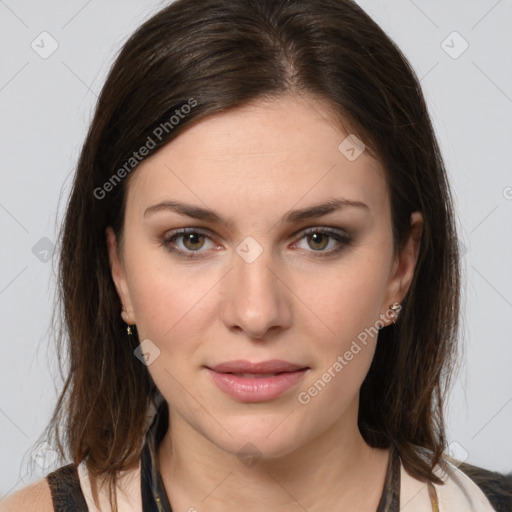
(124, 315)
(395, 307)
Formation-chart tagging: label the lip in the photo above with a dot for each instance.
(229, 378)
(243, 366)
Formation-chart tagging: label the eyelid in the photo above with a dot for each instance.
(324, 229)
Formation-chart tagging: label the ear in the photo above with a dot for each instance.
(119, 276)
(404, 264)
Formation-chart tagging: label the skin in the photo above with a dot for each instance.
(252, 165)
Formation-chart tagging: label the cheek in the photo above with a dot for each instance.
(339, 305)
(172, 304)
(173, 309)
(342, 317)
(342, 354)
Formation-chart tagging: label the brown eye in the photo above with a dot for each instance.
(193, 241)
(318, 241)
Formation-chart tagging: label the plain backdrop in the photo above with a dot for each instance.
(461, 51)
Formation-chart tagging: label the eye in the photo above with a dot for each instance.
(319, 239)
(187, 242)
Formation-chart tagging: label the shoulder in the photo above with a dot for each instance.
(36, 497)
(457, 492)
(496, 486)
(474, 486)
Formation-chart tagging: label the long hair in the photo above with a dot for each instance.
(195, 58)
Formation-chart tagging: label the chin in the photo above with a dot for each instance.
(262, 438)
(259, 448)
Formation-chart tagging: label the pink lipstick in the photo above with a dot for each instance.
(256, 382)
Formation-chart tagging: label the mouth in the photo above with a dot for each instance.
(256, 382)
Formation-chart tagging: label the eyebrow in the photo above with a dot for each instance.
(292, 216)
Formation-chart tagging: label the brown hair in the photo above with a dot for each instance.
(214, 55)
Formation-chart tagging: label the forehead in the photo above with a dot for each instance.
(281, 152)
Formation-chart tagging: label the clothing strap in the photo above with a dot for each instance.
(390, 498)
(433, 497)
(67, 495)
(154, 497)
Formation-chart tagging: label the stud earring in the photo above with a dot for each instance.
(395, 307)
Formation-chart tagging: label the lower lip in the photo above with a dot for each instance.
(256, 389)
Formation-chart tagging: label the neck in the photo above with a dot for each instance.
(336, 470)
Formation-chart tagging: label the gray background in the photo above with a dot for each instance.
(46, 105)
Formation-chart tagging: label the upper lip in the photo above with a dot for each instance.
(242, 366)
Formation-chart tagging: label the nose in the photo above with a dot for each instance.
(255, 298)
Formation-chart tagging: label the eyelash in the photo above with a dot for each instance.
(341, 237)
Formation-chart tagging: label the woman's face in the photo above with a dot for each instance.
(265, 277)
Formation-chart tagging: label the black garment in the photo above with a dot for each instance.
(67, 494)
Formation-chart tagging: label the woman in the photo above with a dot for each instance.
(259, 274)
